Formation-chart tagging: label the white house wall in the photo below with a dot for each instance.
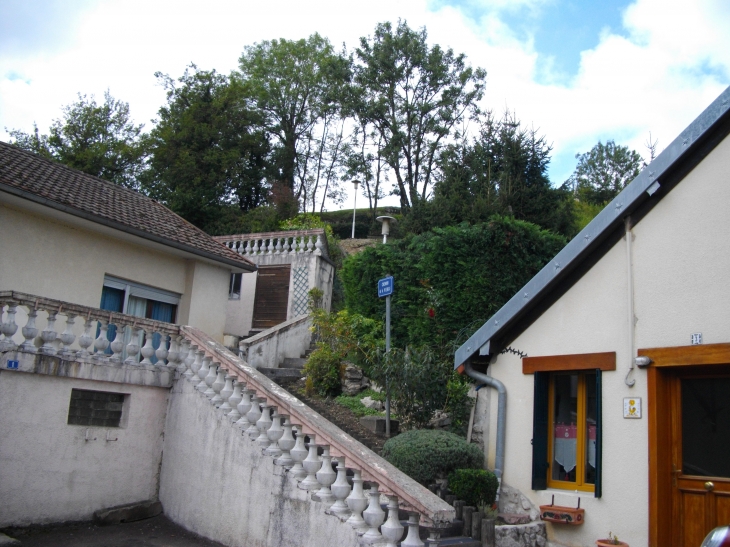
(44, 256)
(681, 256)
(50, 473)
(239, 313)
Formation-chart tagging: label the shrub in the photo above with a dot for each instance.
(475, 486)
(426, 455)
(358, 409)
(323, 371)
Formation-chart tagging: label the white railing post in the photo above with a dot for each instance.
(210, 380)
(392, 530)
(85, 340)
(413, 539)
(357, 502)
(162, 352)
(117, 346)
(373, 516)
(263, 424)
(273, 434)
(243, 407)
(9, 328)
(285, 444)
(49, 335)
(224, 392)
(235, 398)
(298, 454)
(133, 347)
(311, 465)
(147, 350)
(30, 331)
(325, 477)
(340, 490)
(203, 372)
(253, 416)
(67, 337)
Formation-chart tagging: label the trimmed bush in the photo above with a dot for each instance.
(476, 487)
(426, 454)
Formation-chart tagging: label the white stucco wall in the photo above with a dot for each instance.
(269, 348)
(681, 256)
(68, 260)
(48, 471)
(218, 484)
(239, 313)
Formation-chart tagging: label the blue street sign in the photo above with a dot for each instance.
(13, 365)
(385, 286)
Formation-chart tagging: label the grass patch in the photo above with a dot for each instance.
(358, 409)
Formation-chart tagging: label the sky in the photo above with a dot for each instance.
(578, 71)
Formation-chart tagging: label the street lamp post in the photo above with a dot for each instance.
(386, 221)
(354, 207)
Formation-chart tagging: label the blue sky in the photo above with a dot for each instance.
(577, 71)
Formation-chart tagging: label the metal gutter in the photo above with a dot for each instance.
(641, 189)
(124, 228)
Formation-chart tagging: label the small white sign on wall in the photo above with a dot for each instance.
(632, 407)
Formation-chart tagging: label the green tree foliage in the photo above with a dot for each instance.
(296, 84)
(414, 96)
(448, 278)
(208, 153)
(603, 172)
(98, 139)
(426, 454)
(502, 170)
(477, 487)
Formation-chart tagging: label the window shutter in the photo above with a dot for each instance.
(599, 432)
(540, 432)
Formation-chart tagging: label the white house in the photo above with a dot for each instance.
(613, 362)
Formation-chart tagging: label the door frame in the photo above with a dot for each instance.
(659, 373)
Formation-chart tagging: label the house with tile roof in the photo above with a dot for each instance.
(80, 239)
(607, 405)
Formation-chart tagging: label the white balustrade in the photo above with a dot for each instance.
(413, 539)
(285, 444)
(340, 490)
(325, 477)
(357, 502)
(373, 516)
(311, 465)
(298, 454)
(392, 529)
(273, 434)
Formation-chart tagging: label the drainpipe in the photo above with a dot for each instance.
(501, 417)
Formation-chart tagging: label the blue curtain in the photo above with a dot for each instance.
(111, 300)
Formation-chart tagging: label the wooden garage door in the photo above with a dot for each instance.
(272, 296)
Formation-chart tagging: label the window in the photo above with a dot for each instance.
(96, 408)
(234, 290)
(566, 436)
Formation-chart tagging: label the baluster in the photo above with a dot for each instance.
(49, 335)
(256, 246)
(133, 347)
(117, 345)
(203, 372)
(270, 248)
(278, 246)
(243, 407)
(274, 433)
(263, 424)
(225, 392)
(67, 337)
(302, 244)
(210, 380)
(392, 530)
(147, 350)
(340, 490)
(298, 454)
(233, 401)
(311, 465)
(161, 352)
(286, 443)
(325, 477)
(310, 244)
(9, 328)
(357, 502)
(248, 250)
(373, 516)
(412, 539)
(85, 340)
(318, 245)
(217, 386)
(175, 356)
(253, 415)
(286, 246)
(30, 331)
(192, 362)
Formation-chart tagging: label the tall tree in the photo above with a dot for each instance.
(208, 151)
(415, 96)
(98, 139)
(295, 84)
(603, 172)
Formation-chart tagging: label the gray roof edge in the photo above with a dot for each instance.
(247, 266)
(593, 234)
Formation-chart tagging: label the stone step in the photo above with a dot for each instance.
(461, 541)
(293, 362)
(277, 373)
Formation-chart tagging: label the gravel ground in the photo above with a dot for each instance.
(154, 532)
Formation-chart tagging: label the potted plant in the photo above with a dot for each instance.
(611, 540)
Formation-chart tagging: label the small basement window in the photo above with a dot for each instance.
(234, 290)
(96, 408)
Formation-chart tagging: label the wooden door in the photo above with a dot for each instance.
(699, 414)
(272, 296)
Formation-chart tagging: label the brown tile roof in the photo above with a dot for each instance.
(55, 185)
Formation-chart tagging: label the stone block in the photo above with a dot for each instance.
(376, 424)
(128, 513)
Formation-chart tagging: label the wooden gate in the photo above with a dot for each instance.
(272, 296)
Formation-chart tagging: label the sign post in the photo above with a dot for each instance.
(385, 289)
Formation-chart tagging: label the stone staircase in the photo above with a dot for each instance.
(292, 368)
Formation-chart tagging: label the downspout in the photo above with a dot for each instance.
(630, 300)
(501, 417)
